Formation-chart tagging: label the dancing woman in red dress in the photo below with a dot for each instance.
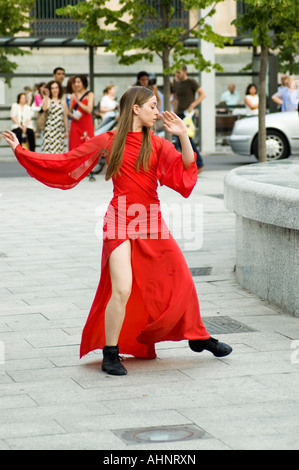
(146, 292)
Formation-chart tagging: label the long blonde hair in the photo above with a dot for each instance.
(134, 95)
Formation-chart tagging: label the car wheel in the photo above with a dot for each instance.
(276, 143)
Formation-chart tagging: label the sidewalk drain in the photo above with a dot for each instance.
(225, 325)
(204, 271)
(160, 434)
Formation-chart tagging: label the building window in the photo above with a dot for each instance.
(180, 16)
(241, 7)
(47, 23)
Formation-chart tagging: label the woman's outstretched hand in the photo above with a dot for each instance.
(176, 126)
(11, 139)
(173, 123)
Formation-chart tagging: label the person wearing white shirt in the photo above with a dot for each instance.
(108, 104)
(251, 100)
(288, 96)
(21, 116)
(230, 97)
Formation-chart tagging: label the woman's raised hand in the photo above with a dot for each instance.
(11, 139)
(173, 123)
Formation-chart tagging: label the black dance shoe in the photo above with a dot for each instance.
(111, 361)
(212, 345)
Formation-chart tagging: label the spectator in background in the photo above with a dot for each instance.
(284, 82)
(143, 79)
(29, 95)
(108, 104)
(70, 89)
(287, 97)
(37, 106)
(56, 128)
(230, 97)
(80, 111)
(186, 89)
(39, 96)
(251, 100)
(35, 89)
(21, 116)
(59, 76)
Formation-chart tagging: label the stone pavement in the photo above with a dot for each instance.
(50, 261)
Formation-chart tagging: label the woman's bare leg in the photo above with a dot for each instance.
(121, 282)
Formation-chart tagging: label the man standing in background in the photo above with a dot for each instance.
(59, 76)
(230, 97)
(185, 101)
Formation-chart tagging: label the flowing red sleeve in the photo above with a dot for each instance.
(171, 171)
(66, 170)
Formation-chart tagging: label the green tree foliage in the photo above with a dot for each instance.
(14, 19)
(122, 30)
(273, 26)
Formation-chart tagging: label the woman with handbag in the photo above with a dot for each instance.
(56, 122)
(80, 112)
(146, 292)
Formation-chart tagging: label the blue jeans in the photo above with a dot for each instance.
(199, 160)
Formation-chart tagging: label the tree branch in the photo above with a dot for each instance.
(186, 35)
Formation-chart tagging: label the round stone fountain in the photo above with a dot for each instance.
(265, 199)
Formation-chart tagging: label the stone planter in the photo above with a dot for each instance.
(265, 199)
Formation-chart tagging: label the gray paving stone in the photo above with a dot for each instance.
(49, 399)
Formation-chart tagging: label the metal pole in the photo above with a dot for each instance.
(91, 68)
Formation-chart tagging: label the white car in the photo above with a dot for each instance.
(282, 135)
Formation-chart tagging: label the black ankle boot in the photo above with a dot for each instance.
(111, 361)
(212, 345)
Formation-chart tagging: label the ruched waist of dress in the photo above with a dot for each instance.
(132, 220)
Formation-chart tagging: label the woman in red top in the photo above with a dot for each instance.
(146, 292)
(80, 111)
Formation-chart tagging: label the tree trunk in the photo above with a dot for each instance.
(262, 150)
(166, 92)
(166, 79)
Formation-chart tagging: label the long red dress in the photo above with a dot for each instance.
(81, 130)
(163, 304)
